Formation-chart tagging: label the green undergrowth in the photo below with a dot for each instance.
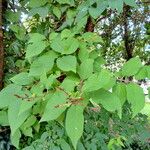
(102, 131)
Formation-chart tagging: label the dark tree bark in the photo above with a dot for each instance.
(90, 25)
(128, 40)
(1, 47)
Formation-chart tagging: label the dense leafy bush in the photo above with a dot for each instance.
(60, 71)
(102, 130)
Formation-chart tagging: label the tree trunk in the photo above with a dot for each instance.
(1, 47)
(90, 25)
(128, 40)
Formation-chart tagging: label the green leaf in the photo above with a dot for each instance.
(108, 100)
(22, 78)
(94, 54)
(55, 106)
(33, 48)
(43, 79)
(135, 97)
(26, 127)
(74, 123)
(148, 92)
(120, 91)
(85, 70)
(36, 37)
(96, 12)
(97, 81)
(27, 132)
(82, 11)
(92, 37)
(70, 2)
(131, 3)
(29, 148)
(65, 46)
(37, 89)
(16, 120)
(148, 71)
(80, 146)
(81, 23)
(70, 45)
(57, 12)
(41, 11)
(68, 84)
(97, 63)
(64, 145)
(57, 44)
(53, 35)
(39, 107)
(142, 73)
(36, 126)
(71, 13)
(26, 105)
(7, 95)
(110, 84)
(66, 33)
(67, 63)
(35, 3)
(29, 122)
(13, 16)
(19, 31)
(16, 138)
(116, 4)
(83, 52)
(50, 80)
(146, 110)
(131, 67)
(3, 118)
(43, 64)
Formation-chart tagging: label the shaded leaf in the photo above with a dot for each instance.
(41, 11)
(35, 3)
(3, 118)
(16, 138)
